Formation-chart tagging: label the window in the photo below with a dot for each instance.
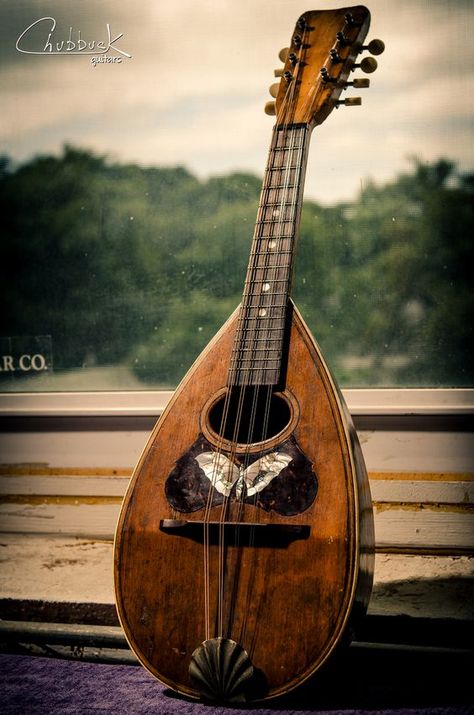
(129, 191)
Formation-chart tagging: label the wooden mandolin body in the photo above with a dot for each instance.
(292, 590)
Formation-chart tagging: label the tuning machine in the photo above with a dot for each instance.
(348, 102)
(375, 47)
(351, 20)
(270, 109)
(342, 39)
(360, 83)
(274, 89)
(367, 65)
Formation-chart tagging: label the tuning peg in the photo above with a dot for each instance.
(274, 89)
(343, 40)
(278, 72)
(301, 24)
(270, 108)
(349, 102)
(361, 83)
(283, 54)
(326, 77)
(368, 65)
(375, 47)
(351, 21)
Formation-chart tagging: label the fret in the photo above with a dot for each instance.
(275, 265)
(270, 379)
(264, 306)
(287, 169)
(268, 261)
(256, 368)
(263, 281)
(275, 221)
(288, 148)
(283, 188)
(269, 204)
(284, 216)
(296, 147)
(257, 338)
(269, 217)
(276, 254)
(256, 360)
(259, 295)
(268, 293)
(253, 349)
(278, 237)
(244, 329)
(266, 284)
(255, 325)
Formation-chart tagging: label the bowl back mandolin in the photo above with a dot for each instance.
(244, 548)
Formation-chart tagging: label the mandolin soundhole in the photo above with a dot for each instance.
(249, 415)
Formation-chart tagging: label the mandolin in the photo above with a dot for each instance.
(244, 547)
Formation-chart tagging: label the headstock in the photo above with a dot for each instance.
(323, 51)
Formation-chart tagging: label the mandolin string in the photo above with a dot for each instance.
(279, 218)
(206, 536)
(236, 376)
(242, 376)
(244, 373)
(224, 509)
(244, 379)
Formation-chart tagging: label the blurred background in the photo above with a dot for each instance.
(129, 192)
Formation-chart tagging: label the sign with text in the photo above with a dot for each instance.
(25, 355)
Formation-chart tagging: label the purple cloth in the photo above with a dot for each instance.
(36, 685)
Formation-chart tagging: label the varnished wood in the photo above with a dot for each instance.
(313, 99)
(288, 600)
(294, 604)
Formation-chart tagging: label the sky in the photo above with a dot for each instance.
(193, 91)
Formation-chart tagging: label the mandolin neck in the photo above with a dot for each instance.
(257, 356)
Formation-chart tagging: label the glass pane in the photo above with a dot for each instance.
(130, 183)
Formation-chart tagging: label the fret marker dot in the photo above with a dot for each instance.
(266, 287)
(272, 244)
(262, 312)
(276, 212)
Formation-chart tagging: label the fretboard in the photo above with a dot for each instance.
(258, 347)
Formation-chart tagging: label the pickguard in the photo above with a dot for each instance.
(280, 480)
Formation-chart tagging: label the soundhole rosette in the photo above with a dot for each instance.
(258, 428)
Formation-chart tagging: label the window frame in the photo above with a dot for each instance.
(395, 402)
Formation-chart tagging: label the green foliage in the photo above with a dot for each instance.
(136, 266)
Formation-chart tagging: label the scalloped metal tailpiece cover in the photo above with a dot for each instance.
(221, 669)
